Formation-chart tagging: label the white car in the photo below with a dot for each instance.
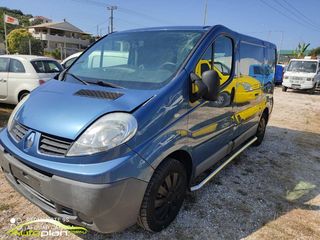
(69, 60)
(20, 74)
(302, 74)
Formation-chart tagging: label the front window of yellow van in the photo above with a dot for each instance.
(139, 60)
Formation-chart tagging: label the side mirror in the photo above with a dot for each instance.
(207, 87)
(200, 87)
(212, 81)
(60, 75)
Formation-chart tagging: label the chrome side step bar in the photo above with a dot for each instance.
(216, 171)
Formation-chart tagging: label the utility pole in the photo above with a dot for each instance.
(111, 9)
(280, 46)
(30, 52)
(205, 12)
(5, 33)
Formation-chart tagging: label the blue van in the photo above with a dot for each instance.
(139, 119)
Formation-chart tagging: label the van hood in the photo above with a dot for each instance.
(66, 109)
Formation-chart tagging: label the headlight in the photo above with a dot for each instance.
(14, 112)
(247, 86)
(310, 79)
(107, 132)
(286, 77)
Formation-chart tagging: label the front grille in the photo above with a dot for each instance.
(54, 146)
(98, 94)
(18, 131)
(54, 206)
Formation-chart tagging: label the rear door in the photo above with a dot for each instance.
(4, 66)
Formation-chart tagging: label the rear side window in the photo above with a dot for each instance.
(270, 64)
(16, 66)
(4, 63)
(46, 66)
(252, 58)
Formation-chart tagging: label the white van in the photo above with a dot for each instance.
(301, 74)
(20, 74)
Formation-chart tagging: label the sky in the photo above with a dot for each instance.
(283, 22)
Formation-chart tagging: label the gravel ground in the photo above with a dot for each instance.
(269, 192)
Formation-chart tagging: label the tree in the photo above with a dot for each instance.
(301, 50)
(23, 20)
(55, 54)
(19, 40)
(36, 22)
(315, 52)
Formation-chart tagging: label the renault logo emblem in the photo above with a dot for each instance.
(30, 140)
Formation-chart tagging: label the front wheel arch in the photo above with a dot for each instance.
(22, 94)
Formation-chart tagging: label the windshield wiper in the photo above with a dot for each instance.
(77, 78)
(106, 84)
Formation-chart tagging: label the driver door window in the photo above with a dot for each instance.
(219, 57)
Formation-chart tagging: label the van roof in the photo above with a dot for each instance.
(242, 37)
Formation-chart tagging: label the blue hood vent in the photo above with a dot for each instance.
(65, 110)
(98, 94)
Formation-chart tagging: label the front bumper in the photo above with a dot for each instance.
(301, 86)
(109, 205)
(101, 207)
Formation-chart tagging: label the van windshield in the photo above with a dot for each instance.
(303, 66)
(138, 60)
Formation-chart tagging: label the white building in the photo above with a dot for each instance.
(61, 35)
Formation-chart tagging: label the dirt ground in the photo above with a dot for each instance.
(269, 192)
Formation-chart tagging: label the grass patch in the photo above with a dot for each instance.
(4, 207)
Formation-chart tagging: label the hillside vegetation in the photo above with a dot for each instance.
(23, 20)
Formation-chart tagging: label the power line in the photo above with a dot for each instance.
(143, 15)
(128, 23)
(298, 16)
(121, 9)
(286, 15)
(302, 14)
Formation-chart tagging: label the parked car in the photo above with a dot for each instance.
(278, 78)
(120, 140)
(20, 74)
(301, 74)
(69, 60)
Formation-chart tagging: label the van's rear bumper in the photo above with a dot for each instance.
(101, 207)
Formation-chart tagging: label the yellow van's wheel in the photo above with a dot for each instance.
(261, 129)
(164, 196)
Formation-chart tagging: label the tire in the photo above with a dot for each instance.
(167, 189)
(261, 130)
(284, 89)
(23, 95)
(313, 90)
